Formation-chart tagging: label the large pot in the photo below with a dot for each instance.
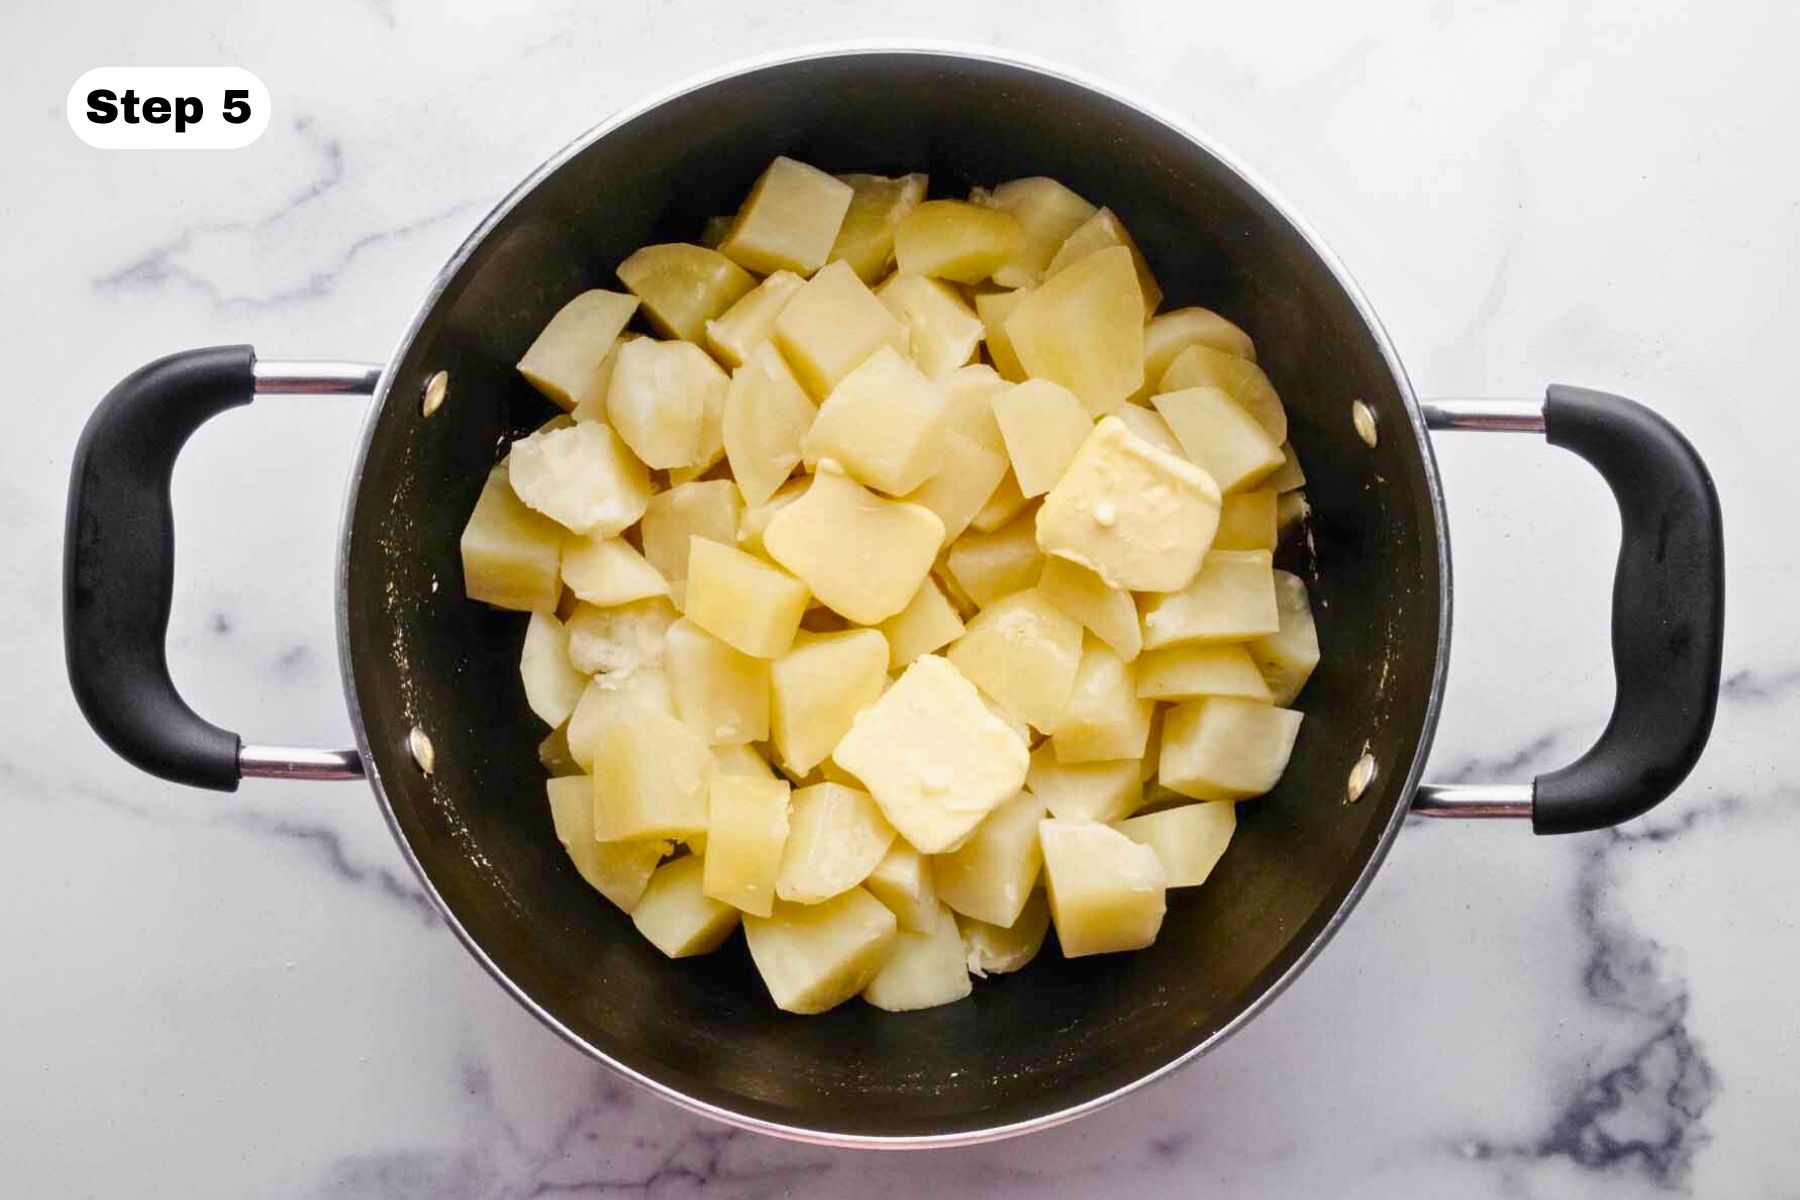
(1062, 1037)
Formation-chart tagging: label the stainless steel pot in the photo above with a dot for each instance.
(1062, 1037)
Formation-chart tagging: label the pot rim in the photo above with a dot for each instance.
(925, 48)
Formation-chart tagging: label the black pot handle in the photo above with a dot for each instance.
(1668, 613)
(119, 564)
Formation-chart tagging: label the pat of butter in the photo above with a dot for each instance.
(1135, 515)
(934, 757)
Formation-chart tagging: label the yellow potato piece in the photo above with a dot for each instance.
(767, 414)
(1084, 329)
(1168, 334)
(741, 760)
(676, 915)
(620, 638)
(742, 600)
(608, 570)
(942, 330)
(989, 566)
(994, 308)
(1241, 379)
(719, 692)
(836, 836)
(956, 240)
(1043, 425)
(1223, 748)
(746, 833)
(1231, 599)
(659, 398)
(650, 779)
(552, 686)
(1199, 669)
(1288, 476)
(1104, 231)
(969, 410)
(993, 950)
(818, 687)
(1218, 434)
(865, 241)
(592, 405)
(706, 508)
(1089, 791)
(617, 870)
(1022, 651)
(755, 518)
(922, 970)
(580, 476)
(645, 689)
(813, 957)
(683, 287)
(1107, 892)
(1247, 521)
(565, 361)
(1189, 840)
(1004, 506)
(831, 325)
(510, 555)
(862, 555)
(1288, 656)
(1105, 720)
(902, 881)
(928, 622)
(883, 423)
(1148, 424)
(554, 754)
(790, 220)
(750, 323)
(990, 876)
(1108, 613)
(1048, 212)
(967, 476)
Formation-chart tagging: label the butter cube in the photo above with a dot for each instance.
(617, 870)
(928, 622)
(658, 400)
(618, 639)
(1200, 669)
(813, 957)
(989, 876)
(683, 287)
(707, 508)
(746, 832)
(750, 323)
(552, 686)
(565, 360)
(1048, 212)
(1090, 791)
(1231, 599)
(836, 836)
(608, 570)
(1107, 892)
(902, 881)
(1138, 517)
(1247, 521)
(993, 950)
(1287, 657)
(956, 240)
(677, 916)
(968, 474)
(650, 779)
(790, 220)
(1108, 613)
(613, 697)
(742, 600)
(922, 970)
(581, 477)
(1239, 378)
(831, 325)
(1189, 840)
(994, 308)
(1044, 426)
(1104, 231)
(1084, 329)
(721, 693)
(1220, 436)
(1105, 721)
(865, 240)
(510, 554)
(884, 423)
(1024, 652)
(767, 414)
(818, 687)
(1223, 748)
(943, 332)
(1168, 334)
(991, 565)
(933, 756)
(862, 555)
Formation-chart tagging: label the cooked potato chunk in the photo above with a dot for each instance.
(942, 330)
(1107, 612)
(564, 363)
(927, 623)
(1247, 521)
(814, 957)
(659, 397)
(1043, 425)
(683, 287)
(676, 915)
(1288, 656)
(1231, 599)
(1084, 329)
(767, 414)
(1104, 231)
(608, 697)
(552, 686)
(865, 240)
(968, 474)
(1023, 651)
(902, 881)
(620, 638)
(1168, 334)
(969, 409)
(1089, 791)
(790, 220)
(862, 555)
(923, 970)
(989, 876)
(1105, 719)
(836, 836)
(884, 423)
(617, 870)
(818, 687)
(956, 240)
(1199, 669)
(750, 323)
(1223, 748)
(1106, 891)
(1138, 517)
(581, 477)
(742, 600)
(608, 570)
(991, 565)
(975, 762)
(720, 692)
(705, 508)
(592, 405)
(831, 325)
(1288, 476)
(650, 777)
(1217, 433)
(994, 309)
(1188, 840)
(746, 833)
(1048, 212)
(992, 950)
(1003, 506)
(510, 554)
(1148, 424)
(756, 517)
(1239, 378)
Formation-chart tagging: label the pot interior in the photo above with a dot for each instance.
(1060, 1032)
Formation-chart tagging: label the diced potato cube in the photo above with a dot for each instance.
(992, 565)
(1231, 599)
(928, 622)
(705, 508)
(1148, 424)
(1188, 840)
(756, 517)
(1247, 521)
(650, 778)
(1003, 506)
(767, 414)
(1105, 721)
(552, 686)
(942, 330)
(554, 754)
(677, 917)
(865, 240)
(610, 697)
(836, 836)
(1090, 791)
(746, 833)
(620, 638)
(750, 323)
(1288, 656)
(608, 570)
(814, 957)
(1048, 212)
(969, 409)
(1138, 517)
(818, 687)
(1291, 509)
(1239, 378)
(831, 325)
(1288, 476)
(994, 309)
(658, 399)
(617, 870)
(729, 759)
(968, 473)
(742, 600)
(1084, 329)
(1200, 669)
(1104, 231)
(863, 555)
(933, 756)
(1217, 433)
(1168, 334)
(1107, 892)
(721, 693)
(683, 287)
(1044, 425)
(923, 970)
(582, 477)
(956, 240)
(989, 876)
(510, 554)
(790, 220)
(1023, 651)
(884, 423)
(592, 405)
(993, 950)
(565, 360)
(1223, 748)
(1107, 612)
(902, 881)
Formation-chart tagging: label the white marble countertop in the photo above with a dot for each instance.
(210, 996)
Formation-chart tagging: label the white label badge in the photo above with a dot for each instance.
(168, 108)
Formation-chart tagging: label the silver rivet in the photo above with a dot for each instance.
(1363, 417)
(422, 751)
(436, 389)
(1361, 775)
